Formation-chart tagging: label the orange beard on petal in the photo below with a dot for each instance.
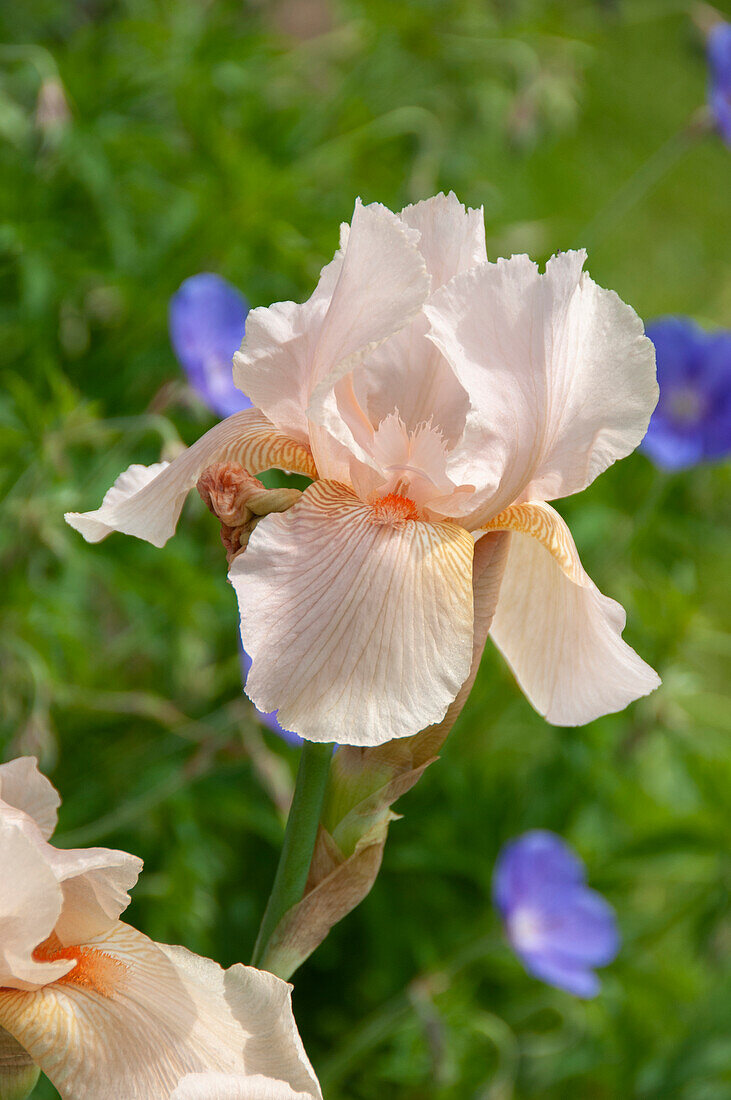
(95, 970)
(393, 510)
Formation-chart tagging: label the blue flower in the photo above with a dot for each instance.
(269, 720)
(207, 321)
(718, 49)
(558, 927)
(692, 421)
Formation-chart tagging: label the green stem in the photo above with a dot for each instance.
(299, 842)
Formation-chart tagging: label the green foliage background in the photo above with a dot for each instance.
(231, 137)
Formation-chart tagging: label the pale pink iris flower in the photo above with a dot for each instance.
(432, 397)
(104, 1011)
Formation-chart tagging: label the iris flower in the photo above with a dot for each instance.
(103, 1010)
(558, 926)
(436, 400)
(692, 421)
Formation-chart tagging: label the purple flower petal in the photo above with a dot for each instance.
(718, 50)
(717, 378)
(563, 974)
(559, 927)
(580, 926)
(207, 320)
(527, 863)
(692, 421)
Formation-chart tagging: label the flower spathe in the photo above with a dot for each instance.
(692, 421)
(103, 1010)
(559, 927)
(431, 396)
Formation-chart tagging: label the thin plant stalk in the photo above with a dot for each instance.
(299, 842)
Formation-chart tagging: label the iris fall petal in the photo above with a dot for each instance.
(144, 1014)
(147, 501)
(559, 634)
(355, 620)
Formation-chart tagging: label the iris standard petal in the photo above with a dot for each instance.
(91, 883)
(452, 236)
(560, 377)
(30, 904)
(147, 501)
(95, 884)
(370, 290)
(207, 321)
(406, 375)
(559, 634)
(358, 618)
(23, 786)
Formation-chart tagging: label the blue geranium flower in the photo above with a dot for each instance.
(718, 49)
(559, 928)
(207, 321)
(692, 421)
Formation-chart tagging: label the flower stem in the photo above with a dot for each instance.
(299, 842)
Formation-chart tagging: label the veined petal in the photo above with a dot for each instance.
(138, 1016)
(370, 290)
(23, 786)
(358, 619)
(559, 634)
(560, 377)
(222, 1086)
(147, 501)
(262, 1007)
(30, 903)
